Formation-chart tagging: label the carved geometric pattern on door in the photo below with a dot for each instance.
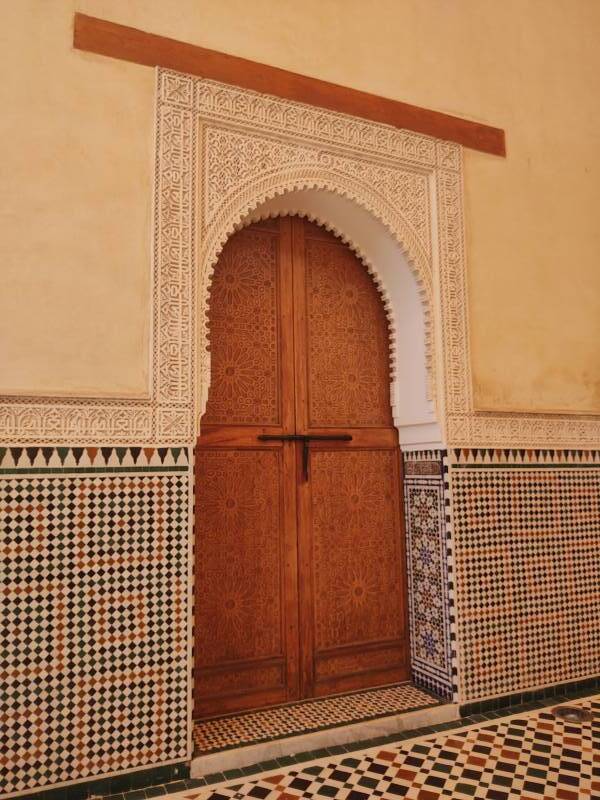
(300, 576)
(240, 491)
(353, 494)
(357, 562)
(349, 381)
(245, 344)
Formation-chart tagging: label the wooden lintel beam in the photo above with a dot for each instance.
(130, 44)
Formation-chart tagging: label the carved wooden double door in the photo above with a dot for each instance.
(300, 566)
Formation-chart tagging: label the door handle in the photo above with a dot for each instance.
(280, 437)
(306, 439)
(341, 437)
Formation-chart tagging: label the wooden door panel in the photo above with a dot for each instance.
(347, 343)
(353, 584)
(246, 613)
(300, 584)
(242, 580)
(357, 563)
(244, 331)
(360, 667)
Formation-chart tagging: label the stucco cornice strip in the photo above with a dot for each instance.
(74, 423)
(522, 431)
(218, 101)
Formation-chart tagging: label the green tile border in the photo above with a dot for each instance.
(568, 688)
(153, 782)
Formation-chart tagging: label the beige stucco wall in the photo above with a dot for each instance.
(75, 197)
(76, 134)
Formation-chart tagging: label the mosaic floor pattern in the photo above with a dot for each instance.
(528, 756)
(250, 728)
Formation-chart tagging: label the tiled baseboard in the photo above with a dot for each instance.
(120, 784)
(254, 771)
(520, 698)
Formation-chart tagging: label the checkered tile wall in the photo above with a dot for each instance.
(94, 627)
(428, 554)
(526, 528)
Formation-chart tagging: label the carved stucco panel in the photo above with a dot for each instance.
(242, 169)
(218, 101)
(25, 423)
(261, 146)
(522, 431)
(453, 291)
(174, 324)
(232, 158)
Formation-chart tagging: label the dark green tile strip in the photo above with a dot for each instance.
(150, 781)
(549, 692)
(84, 470)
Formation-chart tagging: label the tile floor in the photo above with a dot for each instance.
(530, 755)
(305, 717)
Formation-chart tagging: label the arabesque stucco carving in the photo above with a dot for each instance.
(220, 153)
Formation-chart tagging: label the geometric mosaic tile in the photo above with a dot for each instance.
(93, 634)
(310, 715)
(428, 544)
(527, 566)
(528, 756)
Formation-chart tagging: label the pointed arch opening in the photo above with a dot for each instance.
(300, 550)
(405, 293)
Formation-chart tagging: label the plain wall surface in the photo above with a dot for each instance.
(76, 134)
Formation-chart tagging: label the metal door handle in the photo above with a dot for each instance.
(280, 437)
(306, 439)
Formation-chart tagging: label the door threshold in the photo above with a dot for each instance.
(297, 729)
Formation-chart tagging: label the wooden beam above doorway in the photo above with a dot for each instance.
(130, 44)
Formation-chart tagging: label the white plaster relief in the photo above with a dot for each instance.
(410, 183)
(233, 159)
(439, 269)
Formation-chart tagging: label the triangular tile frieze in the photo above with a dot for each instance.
(517, 456)
(62, 458)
